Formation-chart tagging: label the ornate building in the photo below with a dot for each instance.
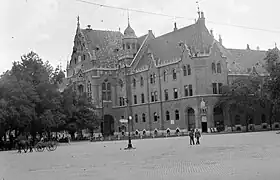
(166, 82)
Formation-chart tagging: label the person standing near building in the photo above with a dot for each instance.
(191, 134)
(197, 136)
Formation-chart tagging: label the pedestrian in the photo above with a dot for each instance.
(197, 136)
(191, 134)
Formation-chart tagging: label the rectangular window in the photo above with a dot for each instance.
(186, 88)
(121, 101)
(189, 70)
(108, 95)
(156, 96)
(220, 88)
(142, 98)
(135, 99)
(175, 93)
(174, 74)
(190, 90)
(152, 97)
(166, 94)
(184, 70)
(104, 96)
(214, 86)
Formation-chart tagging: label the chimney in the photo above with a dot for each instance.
(150, 32)
(89, 27)
(211, 32)
(220, 40)
(175, 26)
(258, 48)
(248, 47)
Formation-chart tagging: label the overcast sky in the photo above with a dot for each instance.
(48, 26)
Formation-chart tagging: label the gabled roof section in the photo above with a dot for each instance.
(196, 37)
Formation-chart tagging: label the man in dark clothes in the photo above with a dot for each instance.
(197, 136)
(191, 134)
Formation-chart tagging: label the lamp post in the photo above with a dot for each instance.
(129, 145)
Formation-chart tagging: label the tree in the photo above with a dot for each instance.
(241, 95)
(272, 82)
(79, 112)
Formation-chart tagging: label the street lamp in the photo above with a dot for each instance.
(129, 146)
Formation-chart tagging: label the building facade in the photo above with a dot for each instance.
(168, 82)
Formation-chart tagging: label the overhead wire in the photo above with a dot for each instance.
(176, 17)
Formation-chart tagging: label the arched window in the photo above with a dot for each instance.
(141, 81)
(143, 117)
(133, 46)
(219, 68)
(127, 45)
(134, 82)
(174, 74)
(154, 77)
(237, 119)
(136, 118)
(151, 79)
(177, 115)
(165, 76)
(189, 69)
(106, 91)
(167, 116)
(213, 68)
(155, 117)
(184, 70)
(263, 118)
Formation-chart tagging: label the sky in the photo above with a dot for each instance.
(48, 27)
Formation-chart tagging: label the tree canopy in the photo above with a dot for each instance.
(30, 100)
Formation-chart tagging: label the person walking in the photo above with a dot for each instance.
(197, 136)
(191, 134)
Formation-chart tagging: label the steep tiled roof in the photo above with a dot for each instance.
(195, 36)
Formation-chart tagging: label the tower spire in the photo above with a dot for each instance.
(128, 18)
(78, 21)
(198, 9)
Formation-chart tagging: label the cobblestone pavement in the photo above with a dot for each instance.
(232, 156)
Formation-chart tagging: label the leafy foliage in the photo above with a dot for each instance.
(30, 99)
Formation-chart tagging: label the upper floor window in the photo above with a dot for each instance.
(220, 85)
(219, 68)
(134, 82)
(175, 93)
(155, 117)
(189, 69)
(165, 76)
(155, 77)
(84, 57)
(177, 115)
(167, 116)
(75, 60)
(136, 118)
(135, 99)
(133, 46)
(142, 98)
(127, 45)
(106, 91)
(174, 74)
(213, 68)
(184, 70)
(151, 79)
(186, 89)
(166, 94)
(214, 87)
(156, 96)
(89, 91)
(123, 46)
(141, 81)
(122, 101)
(152, 97)
(143, 117)
(190, 90)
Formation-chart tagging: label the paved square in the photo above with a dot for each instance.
(231, 156)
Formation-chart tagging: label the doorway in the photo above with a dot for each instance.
(190, 118)
(108, 125)
(204, 127)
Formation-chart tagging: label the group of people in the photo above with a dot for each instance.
(194, 134)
